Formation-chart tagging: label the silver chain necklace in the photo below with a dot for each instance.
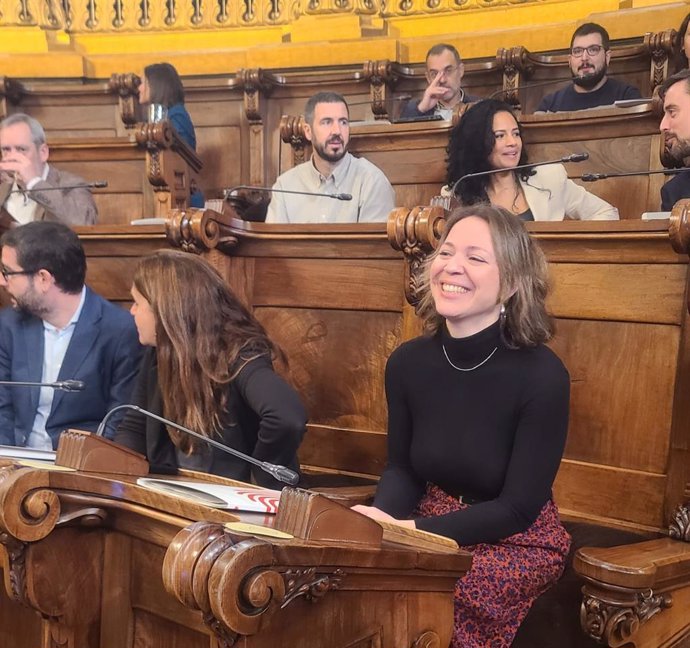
(445, 353)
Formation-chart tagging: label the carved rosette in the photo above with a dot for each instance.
(679, 529)
(660, 47)
(415, 232)
(198, 230)
(614, 623)
(381, 78)
(515, 63)
(292, 133)
(233, 580)
(126, 86)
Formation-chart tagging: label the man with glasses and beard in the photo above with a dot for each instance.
(444, 72)
(331, 170)
(58, 329)
(591, 87)
(675, 127)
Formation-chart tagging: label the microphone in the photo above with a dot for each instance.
(573, 157)
(525, 86)
(61, 385)
(593, 177)
(96, 184)
(281, 473)
(227, 193)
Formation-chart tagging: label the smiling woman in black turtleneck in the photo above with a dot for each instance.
(478, 417)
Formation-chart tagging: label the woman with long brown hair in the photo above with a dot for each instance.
(209, 368)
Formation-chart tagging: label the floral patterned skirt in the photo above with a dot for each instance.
(493, 598)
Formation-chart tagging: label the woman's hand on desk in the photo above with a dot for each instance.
(377, 514)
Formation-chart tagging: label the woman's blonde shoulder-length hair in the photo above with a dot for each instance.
(204, 337)
(523, 276)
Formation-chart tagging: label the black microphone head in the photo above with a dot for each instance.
(99, 184)
(589, 177)
(343, 196)
(575, 157)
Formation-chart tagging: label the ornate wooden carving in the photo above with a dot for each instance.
(660, 47)
(292, 133)
(157, 134)
(233, 580)
(679, 227)
(515, 64)
(382, 77)
(127, 88)
(415, 232)
(428, 639)
(198, 230)
(309, 584)
(15, 580)
(679, 528)
(11, 89)
(255, 82)
(615, 622)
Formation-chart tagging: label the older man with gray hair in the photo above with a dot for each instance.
(30, 188)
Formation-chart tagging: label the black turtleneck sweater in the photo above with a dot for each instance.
(495, 434)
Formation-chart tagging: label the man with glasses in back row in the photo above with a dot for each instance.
(591, 87)
(57, 330)
(444, 72)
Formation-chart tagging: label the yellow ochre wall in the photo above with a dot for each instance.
(97, 38)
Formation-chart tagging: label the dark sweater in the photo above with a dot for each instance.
(677, 188)
(568, 99)
(265, 419)
(495, 434)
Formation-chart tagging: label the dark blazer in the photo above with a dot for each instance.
(104, 353)
(71, 206)
(265, 419)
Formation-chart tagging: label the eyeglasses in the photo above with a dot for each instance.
(447, 71)
(592, 50)
(11, 273)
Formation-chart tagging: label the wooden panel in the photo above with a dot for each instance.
(633, 293)
(622, 381)
(20, 627)
(120, 208)
(153, 632)
(610, 493)
(313, 283)
(337, 359)
(356, 451)
(216, 146)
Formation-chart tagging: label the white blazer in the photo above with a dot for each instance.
(552, 197)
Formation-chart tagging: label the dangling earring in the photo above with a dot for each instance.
(502, 316)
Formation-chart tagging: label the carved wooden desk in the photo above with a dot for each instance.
(93, 562)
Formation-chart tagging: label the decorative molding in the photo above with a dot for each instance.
(679, 528)
(382, 77)
(126, 86)
(16, 555)
(197, 230)
(661, 50)
(415, 232)
(307, 583)
(613, 623)
(515, 64)
(292, 133)
(428, 639)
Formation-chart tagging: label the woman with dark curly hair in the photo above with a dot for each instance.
(489, 137)
(477, 422)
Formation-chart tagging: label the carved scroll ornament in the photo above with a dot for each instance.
(233, 581)
(254, 83)
(199, 230)
(614, 623)
(292, 133)
(679, 529)
(126, 86)
(416, 233)
(660, 47)
(515, 64)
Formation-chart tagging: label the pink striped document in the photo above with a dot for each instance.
(233, 498)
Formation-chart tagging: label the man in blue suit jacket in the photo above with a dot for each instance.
(58, 330)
